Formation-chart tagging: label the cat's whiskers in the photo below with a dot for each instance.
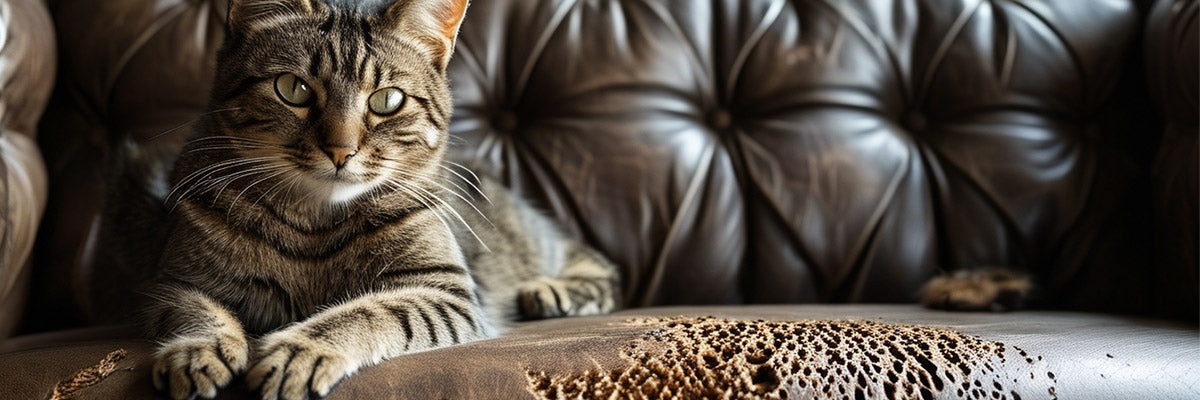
(208, 183)
(277, 186)
(410, 175)
(234, 139)
(268, 176)
(447, 208)
(474, 178)
(224, 143)
(230, 178)
(462, 190)
(193, 120)
(231, 143)
(189, 182)
(287, 194)
(217, 165)
(468, 181)
(306, 194)
(222, 148)
(209, 180)
(406, 189)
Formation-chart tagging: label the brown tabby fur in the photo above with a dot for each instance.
(341, 267)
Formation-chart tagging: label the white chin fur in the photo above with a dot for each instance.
(343, 192)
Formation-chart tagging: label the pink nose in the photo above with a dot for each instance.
(339, 155)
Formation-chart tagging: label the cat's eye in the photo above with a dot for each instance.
(386, 101)
(293, 90)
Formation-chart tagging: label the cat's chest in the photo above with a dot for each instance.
(270, 289)
(272, 276)
(271, 272)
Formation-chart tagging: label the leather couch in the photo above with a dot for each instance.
(775, 178)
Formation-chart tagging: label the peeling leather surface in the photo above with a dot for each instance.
(706, 357)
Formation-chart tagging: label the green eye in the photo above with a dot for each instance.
(293, 90)
(386, 101)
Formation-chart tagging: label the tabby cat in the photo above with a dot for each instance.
(316, 226)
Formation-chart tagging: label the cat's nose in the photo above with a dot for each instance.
(339, 155)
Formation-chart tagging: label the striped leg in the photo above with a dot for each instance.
(309, 358)
(205, 346)
(586, 286)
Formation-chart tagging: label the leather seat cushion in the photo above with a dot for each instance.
(841, 350)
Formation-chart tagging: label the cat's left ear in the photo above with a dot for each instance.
(434, 22)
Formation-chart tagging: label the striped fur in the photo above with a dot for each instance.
(296, 272)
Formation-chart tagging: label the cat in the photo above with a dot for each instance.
(316, 227)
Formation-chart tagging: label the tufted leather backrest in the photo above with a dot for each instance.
(720, 151)
(799, 151)
(1173, 76)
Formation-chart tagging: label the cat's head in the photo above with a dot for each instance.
(352, 100)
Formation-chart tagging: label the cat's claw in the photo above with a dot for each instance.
(294, 367)
(187, 367)
(544, 298)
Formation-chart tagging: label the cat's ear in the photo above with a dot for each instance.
(249, 16)
(434, 22)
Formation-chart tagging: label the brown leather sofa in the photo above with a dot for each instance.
(794, 170)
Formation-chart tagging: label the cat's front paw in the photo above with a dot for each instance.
(544, 298)
(293, 366)
(192, 366)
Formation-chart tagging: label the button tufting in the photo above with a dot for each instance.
(505, 122)
(720, 119)
(915, 121)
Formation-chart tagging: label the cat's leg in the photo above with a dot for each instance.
(307, 359)
(587, 285)
(202, 345)
(991, 289)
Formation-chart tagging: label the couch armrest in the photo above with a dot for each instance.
(26, 78)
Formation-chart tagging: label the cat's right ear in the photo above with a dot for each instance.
(434, 22)
(249, 16)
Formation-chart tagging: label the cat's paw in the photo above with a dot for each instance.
(552, 298)
(992, 289)
(293, 367)
(191, 366)
(544, 298)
